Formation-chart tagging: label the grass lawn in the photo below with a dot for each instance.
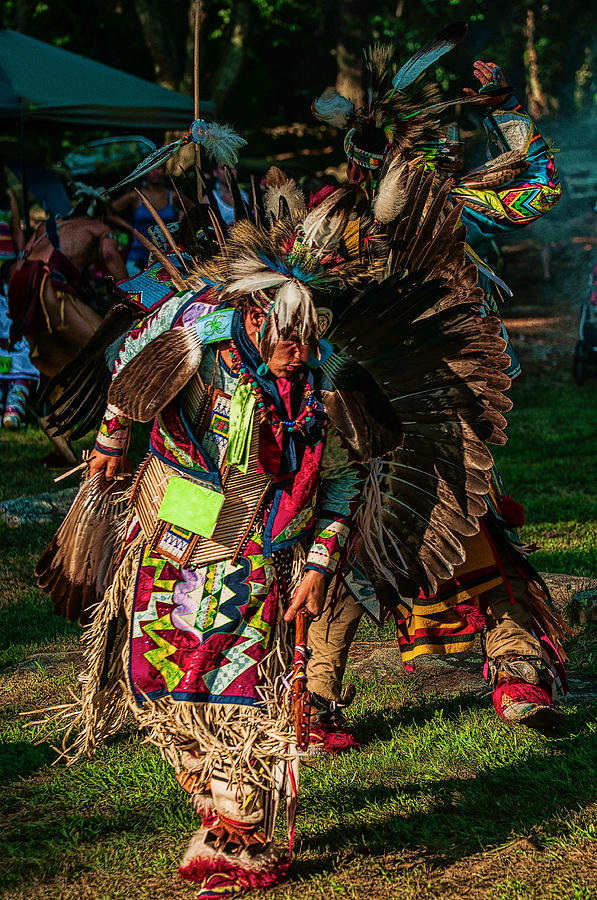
(442, 796)
(549, 465)
(444, 800)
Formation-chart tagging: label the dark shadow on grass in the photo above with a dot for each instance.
(382, 724)
(32, 621)
(21, 759)
(49, 847)
(470, 813)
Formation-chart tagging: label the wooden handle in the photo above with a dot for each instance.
(301, 698)
(301, 628)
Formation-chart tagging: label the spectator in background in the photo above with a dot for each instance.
(45, 287)
(222, 193)
(130, 205)
(18, 376)
(11, 233)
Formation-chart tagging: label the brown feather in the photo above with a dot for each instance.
(177, 279)
(280, 187)
(162, 226)
(152, 378)
(74, 567)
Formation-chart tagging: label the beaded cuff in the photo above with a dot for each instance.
(362, 158)
(328, 543)
(113, 435)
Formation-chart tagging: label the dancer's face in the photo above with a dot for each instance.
(354, 173)
(156, 176)
(288, 357)
(219, 173)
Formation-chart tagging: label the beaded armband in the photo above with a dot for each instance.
(328, 543)
(113, 435)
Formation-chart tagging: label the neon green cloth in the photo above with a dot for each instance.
(242, 407)
(191, 506)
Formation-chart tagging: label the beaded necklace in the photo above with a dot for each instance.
(266, 409)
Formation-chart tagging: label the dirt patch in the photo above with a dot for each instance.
(43, 509)
(564, 588)
(43, 661)
(448, 676)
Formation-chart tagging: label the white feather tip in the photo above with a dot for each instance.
(222, 143)
(333, 108)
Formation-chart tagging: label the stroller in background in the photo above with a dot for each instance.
(585, 351)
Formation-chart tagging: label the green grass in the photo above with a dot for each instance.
(22, 452)
(23, 472)
(582, 652)
(28, 625)
(439, 784)
(444, 801)
(549, 465)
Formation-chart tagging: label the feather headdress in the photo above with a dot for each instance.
(283, 271)
(288, 265)
(282, 196)
(412, 378)
(333, 108)
(403, 105)
(87, 201)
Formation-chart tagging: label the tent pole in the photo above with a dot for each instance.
(24, 181)
(197, 26)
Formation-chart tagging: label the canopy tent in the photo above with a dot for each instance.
(39, 81)
(45, 186)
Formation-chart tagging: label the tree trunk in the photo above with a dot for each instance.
(189, 81)
(159, 40)
(349, 51)
(23, 10)
(233, 57)
(584, 77)
(537, 99)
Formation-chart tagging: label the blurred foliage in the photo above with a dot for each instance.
(285, 51)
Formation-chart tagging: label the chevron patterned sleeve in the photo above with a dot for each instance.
(524, 198)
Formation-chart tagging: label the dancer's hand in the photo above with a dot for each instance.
(491, 76)
(309, 595)
(104, 464)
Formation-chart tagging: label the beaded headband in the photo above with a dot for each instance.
(362, 158)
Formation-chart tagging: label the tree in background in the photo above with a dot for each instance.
(262, 61)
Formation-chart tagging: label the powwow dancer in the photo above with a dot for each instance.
(495, 588)
(243, 510)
